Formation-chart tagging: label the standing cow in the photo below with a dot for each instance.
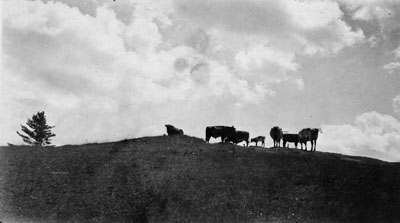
(172, 130)
(259, 139)
(219, 131)
(309, 134)
(239, 136)
(287, 137)
(276, 135)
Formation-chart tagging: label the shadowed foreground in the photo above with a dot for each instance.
(183, 179)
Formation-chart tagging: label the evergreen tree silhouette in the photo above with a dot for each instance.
(38, 133)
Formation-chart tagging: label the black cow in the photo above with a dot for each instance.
(239, 136)
(287, 137)
(172, 130)
(259, 139)
(219, 131)
(276, 135)
(309, 134)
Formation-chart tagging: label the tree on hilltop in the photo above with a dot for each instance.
(38, 133)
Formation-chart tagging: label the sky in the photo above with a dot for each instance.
(106, 70)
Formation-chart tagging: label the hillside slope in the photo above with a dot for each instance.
(183, 179)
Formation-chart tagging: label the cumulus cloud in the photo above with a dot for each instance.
(370, 9)
(257, 56)
(307, 27)
(395, 65)
(372, 134)
(261, 40)
(130, 66)
(91, 73)
(383, 15)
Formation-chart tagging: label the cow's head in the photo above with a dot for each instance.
(170, 127)
(305, 133)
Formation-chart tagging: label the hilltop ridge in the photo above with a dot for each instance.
(182, 179)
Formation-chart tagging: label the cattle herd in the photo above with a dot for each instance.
(230, 134)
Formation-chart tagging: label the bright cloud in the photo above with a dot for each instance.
(279, 32)
(395, 65)
(99, 73)
(372, 134)
(305, 27)
(104, 70)
(257, 56)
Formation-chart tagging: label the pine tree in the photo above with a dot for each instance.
(38, 133)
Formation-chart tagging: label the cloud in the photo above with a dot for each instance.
(372, 134)
(305, 27)
(370, 9)
(93, 73)
(261, 40)
(380, 21)
(395, 65)
(382, 15)
(132, 66)
(257, 56)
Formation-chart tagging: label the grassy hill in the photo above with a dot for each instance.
(183, 179)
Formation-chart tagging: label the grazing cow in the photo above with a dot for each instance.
(239, 136)
(219, 131)
(172, 130)
(309, 134)
(287, 137)
(259, 139)
(276, 135)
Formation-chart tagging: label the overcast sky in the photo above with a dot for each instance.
(105, 70)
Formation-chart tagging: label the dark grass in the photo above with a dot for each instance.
(183, 179)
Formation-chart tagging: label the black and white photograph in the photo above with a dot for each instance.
(255, 111)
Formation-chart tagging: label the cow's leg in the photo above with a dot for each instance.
(315, 145)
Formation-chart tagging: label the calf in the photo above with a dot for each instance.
(259, 139)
